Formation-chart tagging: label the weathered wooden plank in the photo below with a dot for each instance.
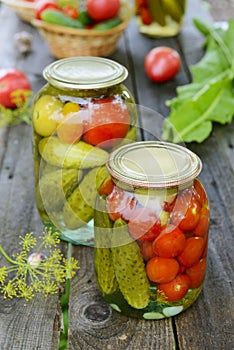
(34, 324)
(94, 325)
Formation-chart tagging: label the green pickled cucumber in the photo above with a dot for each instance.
(157, 12)
(55, 187)
(129, 267)
(79, 208)
(173, 9)
(79, 155)
(102, 174)
(102, 253)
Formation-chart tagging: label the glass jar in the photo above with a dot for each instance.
(160, 18)
(151, 230)
(79, 116)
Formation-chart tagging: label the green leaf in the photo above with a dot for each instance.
(191, 121)
(209, 98)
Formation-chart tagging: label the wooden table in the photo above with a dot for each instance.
(35, 325)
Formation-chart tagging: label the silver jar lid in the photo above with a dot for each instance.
(154, 164)
(85, 73)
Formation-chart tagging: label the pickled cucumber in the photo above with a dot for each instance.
(157, 12)
(54, 187)
(173, 9)
(102, 253)
(79, 208)
(78, 155)
(129, 267)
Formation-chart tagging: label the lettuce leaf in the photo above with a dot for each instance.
(210, 96)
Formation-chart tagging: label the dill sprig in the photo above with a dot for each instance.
(39, 267)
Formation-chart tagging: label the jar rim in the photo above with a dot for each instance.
(153, 164)
(85, 73)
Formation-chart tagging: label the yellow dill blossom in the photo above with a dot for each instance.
(38, 268)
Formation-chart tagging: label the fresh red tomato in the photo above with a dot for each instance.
(162, 270)
(106, 187)
(42, 5)
(146, 250)
(101, 10)
(107, 122)
(170, 242)
(176, 289)
(120, 204)
(14, 87)
(186, 211)
(144, 224)
(70, 11)
(162, 64)
(192, 252)
(202, 226)
(196, 273)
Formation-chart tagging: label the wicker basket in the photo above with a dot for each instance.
(69, 42)
(25, 9)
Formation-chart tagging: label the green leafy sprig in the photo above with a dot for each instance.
(37, 268)
(209, 97)
(22, 113)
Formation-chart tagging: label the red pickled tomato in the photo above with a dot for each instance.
(203, 224)
(162, 270)
(144, 224)
(146, 250)
(106, 187)
(186, 212)
(192, 252)
(120, 204)
(170, 243)
(176, 289)
(200, 193)
(196, 273)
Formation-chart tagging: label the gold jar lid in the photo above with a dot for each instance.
(153, 164)
(85, 73)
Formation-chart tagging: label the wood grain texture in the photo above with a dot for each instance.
(34, 324)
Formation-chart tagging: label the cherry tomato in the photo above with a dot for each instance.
(106, 187)
(176, 289)
(192, 252)
(200, 193)
(144, 224)
(45, 114)
(196, 273)
(70, 11)
(42, 5)
(146, 16)
(70, 128)
(146, 250)
(170, 242)
(186, 211)
(162, 270)
(162, 64)
(101, 10)
(12, 81)
(120, 204)
(203, 224)
(107, 123)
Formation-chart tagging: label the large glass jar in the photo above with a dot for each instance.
(160, 18)
(151, 230)
(79, 116)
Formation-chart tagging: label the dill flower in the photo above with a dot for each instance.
(39, 267)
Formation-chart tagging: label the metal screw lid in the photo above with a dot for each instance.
(85, 73)
(154, 164)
